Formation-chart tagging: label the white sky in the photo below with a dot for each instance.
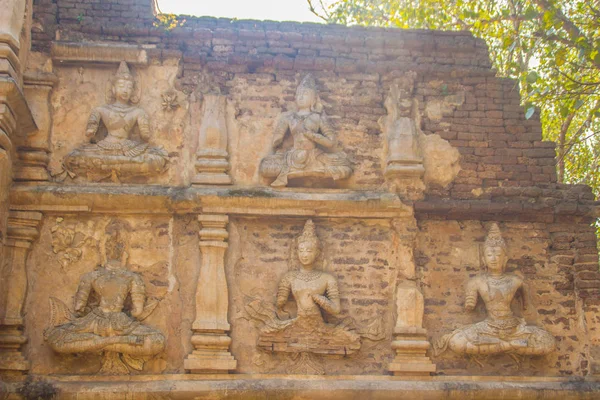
(276, 10)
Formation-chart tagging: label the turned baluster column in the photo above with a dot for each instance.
(210, 339)
(23, 230)
(212, 158)
(410, 337)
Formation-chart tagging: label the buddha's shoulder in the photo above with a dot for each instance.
(289, 275)
(478, 279)
(329, 277)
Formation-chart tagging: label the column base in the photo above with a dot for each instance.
(208, 178)
(11, 359)
(404, 365)
(209, 362)
(411, 345)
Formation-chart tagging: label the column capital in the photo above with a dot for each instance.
(23, 228)
(213, 227)
(15, 115)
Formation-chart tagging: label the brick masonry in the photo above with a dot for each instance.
(507, 171)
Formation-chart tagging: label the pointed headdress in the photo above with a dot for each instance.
(309, 236)
(308, 82)
(494, 238)
(123, 73)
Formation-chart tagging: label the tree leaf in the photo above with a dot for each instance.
(529, 112)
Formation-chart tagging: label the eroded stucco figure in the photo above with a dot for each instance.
(313, 153)
(118, 154)
(501, 331)
(315, 293)
(101, 323)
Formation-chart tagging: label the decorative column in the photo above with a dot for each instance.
(210, 339)
(12, 19)
(212, 158)
(33, 151)
(410, 338)
(23, 230)
(403, 157)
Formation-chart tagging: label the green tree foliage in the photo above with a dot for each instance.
(551, 47)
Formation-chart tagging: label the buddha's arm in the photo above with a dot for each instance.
(525, 294)
(331, 302)
(83, 292)
(143, 125)
(283, 292)
(327, 136)
(471, 295)
(279, 131)
(138, 295)
(93, 123)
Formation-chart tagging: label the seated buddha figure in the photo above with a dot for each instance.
(501, 331)
(104, 326)
(118, 154)
(312, 154)
(315, 293)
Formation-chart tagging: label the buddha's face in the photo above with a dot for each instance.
(495, 258)
(123, 90)
(305, 98)
(307, 253)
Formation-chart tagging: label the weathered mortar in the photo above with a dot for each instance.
(507, 174)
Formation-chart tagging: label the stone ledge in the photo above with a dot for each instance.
(87, 52)
(239, 386)
(145, 199)
(142, 199)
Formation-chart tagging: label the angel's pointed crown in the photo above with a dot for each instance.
(494, 237)
(309, 236)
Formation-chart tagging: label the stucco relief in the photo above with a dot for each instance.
(114, 151)
(501, 331)
(315, 293)
(313, 153)
(101, 320)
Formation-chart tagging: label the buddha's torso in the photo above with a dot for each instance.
(119, 120)
(300, 124)
(113, 287)
(498, 293)
(304, 285)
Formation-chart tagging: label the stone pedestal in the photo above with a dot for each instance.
(12, 19)
(410, 339)
(210, 339)
(212, 158)
(33, 151)
(23, 230)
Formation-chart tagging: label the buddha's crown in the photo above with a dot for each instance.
(494, 237)
(309, 235)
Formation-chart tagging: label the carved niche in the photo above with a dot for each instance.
(115, 152)
(101, 322)
(501, 331)
(315, 293)
(313, 152)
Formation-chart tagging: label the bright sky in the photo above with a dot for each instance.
(276, 10)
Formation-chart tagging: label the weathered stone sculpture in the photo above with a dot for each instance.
(402, 153)
(501, 331)
(117, 154)
(315, 292)
(313, 153)
(212, 158)
(410, 338)
(105, 327)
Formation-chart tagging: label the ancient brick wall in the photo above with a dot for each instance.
(507, 174)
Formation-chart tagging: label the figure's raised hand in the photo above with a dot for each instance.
(282, 314)
(314, 136)
(320, 300)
